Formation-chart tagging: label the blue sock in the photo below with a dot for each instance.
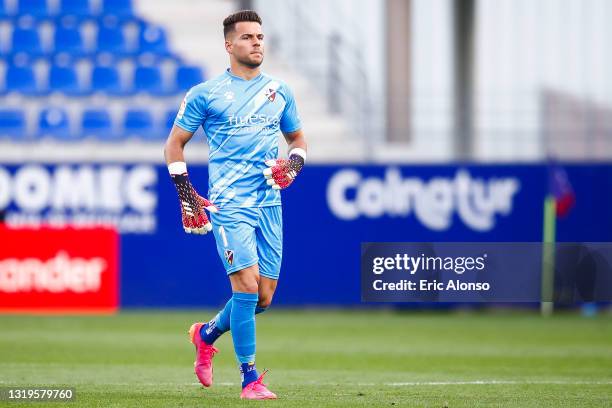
(212, 330)
(248, 373)
(242, 320)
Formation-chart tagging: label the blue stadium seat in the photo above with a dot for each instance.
(21, 79)
(35, 8)
(139, 122)
(149, 79)
(26, 40)
(97, 123)
(188, 76)
(76, 8)
(69, 40)
(120, 8)
(54, 122)
(111, 40)
(4, 12)
(152, 39)
(12, 123)
(64, 79)
(106, 79)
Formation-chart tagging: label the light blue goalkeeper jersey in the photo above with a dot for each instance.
(242, 121)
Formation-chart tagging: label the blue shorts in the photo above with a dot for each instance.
(249, 236)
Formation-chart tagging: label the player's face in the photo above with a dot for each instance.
(246, 44)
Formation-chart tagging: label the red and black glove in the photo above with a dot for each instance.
(192, 206)
(281, 172)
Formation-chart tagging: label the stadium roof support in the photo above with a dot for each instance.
(464, 57)
(398, 70)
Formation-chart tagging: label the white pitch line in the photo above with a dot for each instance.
(493, 382)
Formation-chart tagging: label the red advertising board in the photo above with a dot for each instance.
(59, 270)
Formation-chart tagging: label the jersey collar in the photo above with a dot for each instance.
(229, 72)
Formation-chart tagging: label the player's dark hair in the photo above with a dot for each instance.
(229, 24)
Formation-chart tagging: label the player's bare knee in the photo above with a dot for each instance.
(250, 288)
(247, 285)
(245, 280)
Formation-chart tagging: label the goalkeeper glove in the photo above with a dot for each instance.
(192, 204)
(281, 172)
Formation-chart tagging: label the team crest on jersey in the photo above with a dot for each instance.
(271, 94)
(229, 256)
(229, 96)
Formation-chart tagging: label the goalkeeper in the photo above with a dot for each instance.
(242, 112)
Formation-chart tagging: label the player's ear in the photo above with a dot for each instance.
(228, 45)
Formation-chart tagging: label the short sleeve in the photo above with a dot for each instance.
(192, 112)
(290, 119)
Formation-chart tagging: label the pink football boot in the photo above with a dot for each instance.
(257, 390)
(204, 354)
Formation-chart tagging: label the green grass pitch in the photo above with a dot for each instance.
(320, 359)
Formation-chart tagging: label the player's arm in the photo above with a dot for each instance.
(281, 173)
(175, 145)
(192, 204)
(296, 140)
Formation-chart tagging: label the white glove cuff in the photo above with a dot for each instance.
(177, 168)
(299, 151)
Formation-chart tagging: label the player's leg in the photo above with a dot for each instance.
(269, 248)
(236, 246)
(245, 285)
(245, 288)
(221, 323)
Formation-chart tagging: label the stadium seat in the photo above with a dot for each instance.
(12, 123)
(26, 40)
(139, 122)
(97, 123)
(188, 76)
(54, 122)
(31, 68)
(69, 40)
(120, 8)
(111, 40)
(106, 79)
(149, 79)
(21, 79)
(4, 12)
(35, 8)
(76, 8)
(64, 79)
(152, 39)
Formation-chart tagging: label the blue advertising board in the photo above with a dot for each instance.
(331, 210)
(328, 212)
